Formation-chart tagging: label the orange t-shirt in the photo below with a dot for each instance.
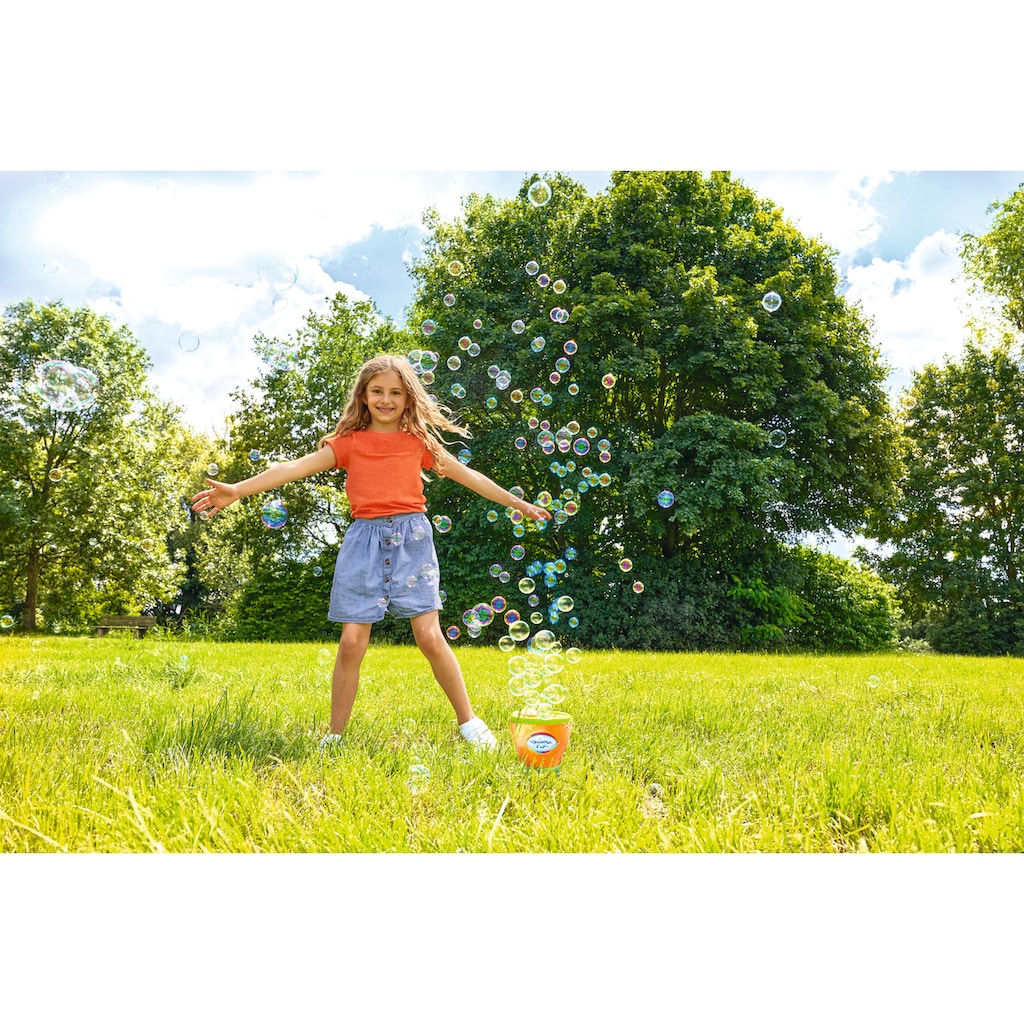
(382, 472)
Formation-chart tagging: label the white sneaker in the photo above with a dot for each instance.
(476, 733)
(331, 742)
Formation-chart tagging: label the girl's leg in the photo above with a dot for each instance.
(434, 646)
(355, 638)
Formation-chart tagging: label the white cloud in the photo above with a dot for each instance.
(833, 206)
(918, 305)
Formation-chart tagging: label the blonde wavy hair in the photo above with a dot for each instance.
(423, 417)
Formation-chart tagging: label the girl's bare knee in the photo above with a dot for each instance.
(352, 646)
(431, 643)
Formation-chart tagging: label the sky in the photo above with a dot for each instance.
(323, 132)
(184, 252)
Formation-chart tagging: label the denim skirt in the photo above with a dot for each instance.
(386, 565)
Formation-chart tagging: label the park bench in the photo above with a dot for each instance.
(137, 623)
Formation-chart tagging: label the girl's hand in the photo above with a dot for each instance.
(219, 496)
(534, 512)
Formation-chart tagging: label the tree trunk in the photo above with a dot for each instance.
(28, 619)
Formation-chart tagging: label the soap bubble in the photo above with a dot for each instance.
(543, 641)
(449, 300)
(58, 183)
(581, 446)
(562, 364)
(318, 571)
(428, 327)
(518, 327)
(558, 287)
(442, 524)
(188, 342)
(453, 632)
(771, 301)
(280, 354)
(520, 443)
(543, 280)
(65, 387)
(564, 603)
(6, 621)
(666, 499)
(527, 585)
(274, 514)
(573, 655)
(464, 456)
(457, 391)
(538, 343)
(212, 469)
(56, 474)
(559, 315)
(553, 693)
(539, 193)
(625, 564)
(503, 380)
(278, 272)
(419, 777)
(777, 438)
(477, 324)
(455, 268)
(254, 455)
(474, 349)
(506, 644)
(532, 267)
(608, 380)
(638, 587)
(518, 552)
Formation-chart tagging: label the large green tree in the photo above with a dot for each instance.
(86, 487)
(957, 533)
(759, 423)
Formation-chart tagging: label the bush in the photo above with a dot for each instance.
(851, 608)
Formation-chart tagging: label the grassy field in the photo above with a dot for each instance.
(124, 745)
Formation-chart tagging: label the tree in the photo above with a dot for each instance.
(994, 261)
(86, 485)
(958, 530)
(755, 424)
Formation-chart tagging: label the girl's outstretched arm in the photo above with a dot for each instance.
(220, 494)
(452, 469)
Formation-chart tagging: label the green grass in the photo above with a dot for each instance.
(118, 745)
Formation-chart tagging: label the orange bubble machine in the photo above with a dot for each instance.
(541, 739)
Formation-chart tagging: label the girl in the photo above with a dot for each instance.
(388, 433)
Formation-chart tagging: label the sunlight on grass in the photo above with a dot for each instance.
(124, 745)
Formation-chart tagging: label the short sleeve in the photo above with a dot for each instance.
(342, 448)
(427, 462)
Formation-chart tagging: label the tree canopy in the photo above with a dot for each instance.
(88, 477)
(957, 531)
(621, 352)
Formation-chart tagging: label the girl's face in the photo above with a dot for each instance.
(386, 399)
